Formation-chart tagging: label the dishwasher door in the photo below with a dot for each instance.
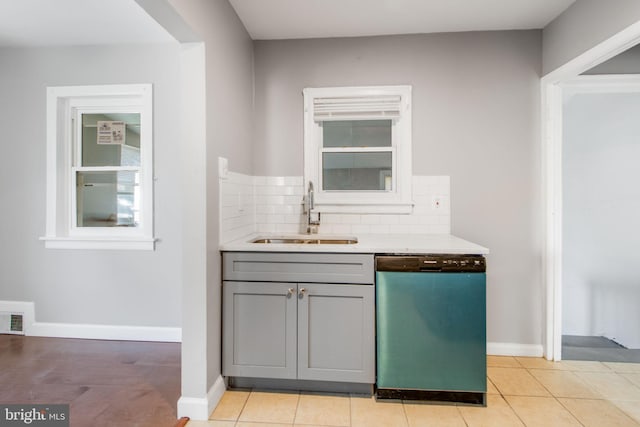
(431, 334)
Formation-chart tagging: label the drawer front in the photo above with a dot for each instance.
(298, 267)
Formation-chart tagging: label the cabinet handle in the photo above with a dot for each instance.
(290, 292)
(302, 292)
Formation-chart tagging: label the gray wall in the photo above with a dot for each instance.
(228, 69)
(475, 118)
(94, 287)
(601, 217)
(584, 25)
(627, 62)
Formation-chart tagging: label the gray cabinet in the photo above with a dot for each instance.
(298, 330)
(336, 333)
(259, 329)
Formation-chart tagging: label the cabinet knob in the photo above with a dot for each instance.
(290, 292)
(302, 292)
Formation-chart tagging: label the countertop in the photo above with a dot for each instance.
(367, 243)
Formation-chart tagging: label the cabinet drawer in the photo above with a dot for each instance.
(298, 267)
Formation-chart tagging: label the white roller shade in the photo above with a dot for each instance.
(357, 108)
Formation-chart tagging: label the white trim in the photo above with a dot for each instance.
(552, 186)
(200, 408)
(99, 243)
(195, 408)
(106, 332)
(26, 308)
(88, 331)
(551, 94)
(215, 394)
(607, 49)
(601, 83)
(513, 349)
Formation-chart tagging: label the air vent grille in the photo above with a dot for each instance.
(16, 323)
(11, 323)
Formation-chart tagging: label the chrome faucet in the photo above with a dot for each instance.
(313, 218)
(310, 196)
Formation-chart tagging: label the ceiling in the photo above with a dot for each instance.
(95, 22)
(25, 23)
(288, 19)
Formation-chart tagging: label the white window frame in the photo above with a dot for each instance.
(399, 198)
(65, 105)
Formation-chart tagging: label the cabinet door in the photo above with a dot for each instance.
(336, 333)
(259, 329)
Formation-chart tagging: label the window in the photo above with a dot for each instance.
(357, 148)
(99, 167)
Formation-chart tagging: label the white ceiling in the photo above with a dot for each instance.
(287, 19)
(76, 22)
(91, 22)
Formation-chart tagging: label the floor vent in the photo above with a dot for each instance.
(11, 323)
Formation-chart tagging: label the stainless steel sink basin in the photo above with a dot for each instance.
(294, 241)
(308, 240)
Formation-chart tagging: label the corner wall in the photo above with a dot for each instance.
(227, 116)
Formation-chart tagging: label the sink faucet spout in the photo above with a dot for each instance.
(313, 218)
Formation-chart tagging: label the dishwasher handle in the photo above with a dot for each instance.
(433, 269)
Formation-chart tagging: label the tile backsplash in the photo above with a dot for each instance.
(237, 206)
(270, 204)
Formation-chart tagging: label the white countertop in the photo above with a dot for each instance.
(367, 243)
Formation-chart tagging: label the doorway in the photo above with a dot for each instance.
(552, 134)
(601, 218)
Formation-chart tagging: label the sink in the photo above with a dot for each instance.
(308, 240)
(278, 240)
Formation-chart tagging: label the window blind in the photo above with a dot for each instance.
(357, 108)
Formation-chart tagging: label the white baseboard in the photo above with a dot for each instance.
(514, 349)
(88, 331)
(215, 394)
(106, 332)
(200, 408)
(196, 408)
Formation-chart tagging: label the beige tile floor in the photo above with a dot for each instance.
(522, 391)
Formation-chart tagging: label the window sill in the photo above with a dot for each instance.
(364, 208)
(114, 243)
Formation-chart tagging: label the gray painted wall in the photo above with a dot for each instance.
(95, 287)
(475, 118)
(628, 62)
(582, 26)
(228, 73)
(601, 217)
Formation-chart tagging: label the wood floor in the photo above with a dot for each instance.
(106, 383)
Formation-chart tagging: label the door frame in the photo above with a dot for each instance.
(551, 86)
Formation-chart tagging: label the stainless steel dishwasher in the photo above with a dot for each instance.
(431, 328)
